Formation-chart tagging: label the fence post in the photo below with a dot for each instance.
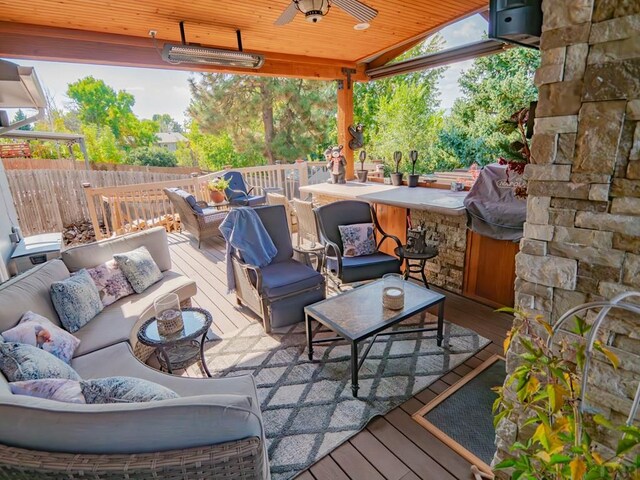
(92, 210)
(303, 169)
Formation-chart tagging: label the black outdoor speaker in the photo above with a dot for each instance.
(516, 21)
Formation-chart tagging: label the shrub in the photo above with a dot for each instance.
(152, 157)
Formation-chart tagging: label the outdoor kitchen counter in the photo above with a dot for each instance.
(434, 200)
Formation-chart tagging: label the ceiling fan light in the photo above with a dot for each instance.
(361, 26)
(313, 10)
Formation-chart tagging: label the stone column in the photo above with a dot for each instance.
(582, 235)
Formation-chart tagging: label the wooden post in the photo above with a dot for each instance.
(93, 214)
(345, 119)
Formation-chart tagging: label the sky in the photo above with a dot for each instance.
(167, 91)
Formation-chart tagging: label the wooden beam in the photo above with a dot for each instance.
(345, 119)
(76, 46)
(402, 46)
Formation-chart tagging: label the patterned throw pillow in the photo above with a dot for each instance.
(139, 268)
(76, 300)
(111, 282)
(124, 390)
(357, 239)
(40, 332)
(58, 389)
(20, 362)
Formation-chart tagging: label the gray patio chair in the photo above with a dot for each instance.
(278, 292)
(195, 217)
(343, 269)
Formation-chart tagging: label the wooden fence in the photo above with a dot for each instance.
(71, 164)
(47, 200)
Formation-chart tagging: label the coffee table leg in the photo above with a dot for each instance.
(307, 322)
(202, 360)
(440, 336)
(354, 369)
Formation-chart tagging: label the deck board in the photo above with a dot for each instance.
(393, 447)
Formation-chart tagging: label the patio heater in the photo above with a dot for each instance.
(19, 88)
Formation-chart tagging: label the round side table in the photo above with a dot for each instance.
(179, 349)
(422, 258)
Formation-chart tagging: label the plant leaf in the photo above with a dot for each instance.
(613, 358)
(578, 468)
(506, 463)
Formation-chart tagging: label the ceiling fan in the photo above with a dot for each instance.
(314, 10)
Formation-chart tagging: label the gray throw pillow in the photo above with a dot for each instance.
(124, 390)
(139, 268)
(19, 362)
(76, 300)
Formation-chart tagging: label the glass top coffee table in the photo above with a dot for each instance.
(358, 314)
(179, 349)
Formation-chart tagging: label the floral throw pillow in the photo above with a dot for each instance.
(111, 282)
(76, 300)
(58, 389)
(20, 362)
(124, 390)
(40, 332)
(139, 268)
(357, 239)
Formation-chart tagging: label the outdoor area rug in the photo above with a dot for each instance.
(308, 408)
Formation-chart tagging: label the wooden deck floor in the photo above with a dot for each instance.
(393, 447)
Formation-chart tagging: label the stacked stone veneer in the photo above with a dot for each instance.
(582, 235)
(449, 234)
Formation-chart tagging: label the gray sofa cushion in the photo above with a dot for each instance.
(87, 256)
(119, 321)
(124, 390)
(30, 291)
(77, 300)
(19, 362)
(139, 268)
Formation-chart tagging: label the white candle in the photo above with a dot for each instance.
(394, 292)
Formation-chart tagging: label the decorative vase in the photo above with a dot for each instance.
(396, 179)
(362, 175)
(413, 180)
(168, 314)
(216, 196)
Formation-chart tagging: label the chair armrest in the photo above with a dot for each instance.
(246, 267)
(329, 246)
(307, 254)
(240, 193)
(202, 204)
(384, 234)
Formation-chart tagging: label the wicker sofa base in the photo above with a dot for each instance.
(233, 460)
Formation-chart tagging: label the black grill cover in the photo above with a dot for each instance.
(492, 208)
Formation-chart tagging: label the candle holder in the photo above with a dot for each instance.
(168, 314)
(393, 291)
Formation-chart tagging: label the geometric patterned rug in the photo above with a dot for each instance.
(307, 407)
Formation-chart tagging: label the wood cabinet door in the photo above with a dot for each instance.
(490, 270)
(393, 221)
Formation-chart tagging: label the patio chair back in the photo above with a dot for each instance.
(279, 199)
(274, 219)
(188, 217)
(236, 182)
(347, 212)
(307, 227)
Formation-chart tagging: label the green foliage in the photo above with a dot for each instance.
(214, 152)
(152, 157)
(277, 118)
(166, 123)
(219, 184)
(18, 117)
(102, 145)
(555, 441)
(493, 88)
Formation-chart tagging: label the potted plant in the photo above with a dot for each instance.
(396, 178)
(413, 178)
(362, 173)
(217, 188)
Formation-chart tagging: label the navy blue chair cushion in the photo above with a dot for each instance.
(274, 219)
(236, 182)
(287, 277)
(190, 199)
(254, 200)
(346, 212)
(367, 267)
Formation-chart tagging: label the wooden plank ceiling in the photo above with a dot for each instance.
(45, 29)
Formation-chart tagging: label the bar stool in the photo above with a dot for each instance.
(422, 257)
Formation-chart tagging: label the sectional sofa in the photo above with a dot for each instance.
(214, 430)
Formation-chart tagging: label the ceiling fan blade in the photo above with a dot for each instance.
(356, 9)
(287, 16)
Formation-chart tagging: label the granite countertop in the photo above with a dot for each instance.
(435, 200)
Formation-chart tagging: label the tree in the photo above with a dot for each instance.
(152, 157)
(493, 88)
(20, 116)
(166, 123)
(280, 118)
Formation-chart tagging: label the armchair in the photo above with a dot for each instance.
(278, 292)
(237, 194)
(195, 217)
(352, 269)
